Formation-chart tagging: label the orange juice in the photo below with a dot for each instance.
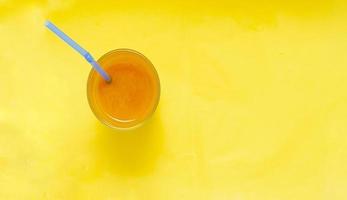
(132, 95)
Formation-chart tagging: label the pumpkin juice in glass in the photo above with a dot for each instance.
(133, 93)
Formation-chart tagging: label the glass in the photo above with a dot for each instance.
(132, 96)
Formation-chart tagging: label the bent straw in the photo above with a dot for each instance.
(79, 49)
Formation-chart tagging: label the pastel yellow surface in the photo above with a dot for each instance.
(253, 105)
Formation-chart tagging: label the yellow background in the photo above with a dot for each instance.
(253, 103)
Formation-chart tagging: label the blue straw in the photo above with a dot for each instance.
(79, 49)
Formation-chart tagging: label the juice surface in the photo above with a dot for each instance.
(130, 95)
